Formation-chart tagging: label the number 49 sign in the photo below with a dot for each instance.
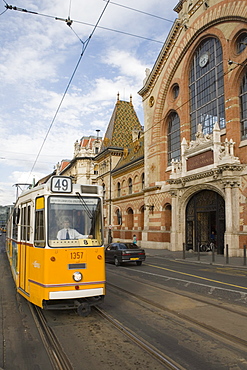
(61, 184)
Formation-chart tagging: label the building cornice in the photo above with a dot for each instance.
(128, 196)
(152, 188)
(126, 167)
(117, 151)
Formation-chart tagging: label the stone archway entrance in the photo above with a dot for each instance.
(205, 220)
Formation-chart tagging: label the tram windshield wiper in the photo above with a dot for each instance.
(85, 206)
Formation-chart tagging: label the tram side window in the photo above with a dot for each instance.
(28, 222)
(25, 223)
(39, 228)
(16, 216)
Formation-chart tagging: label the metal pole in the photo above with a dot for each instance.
(227, 255)
(213, 259)
(244, 255)
(184, 251)
(198, 252)
(110, 200)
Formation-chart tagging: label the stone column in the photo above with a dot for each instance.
(232, 217)
(175, 222)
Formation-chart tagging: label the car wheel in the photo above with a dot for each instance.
(116, 261)
(138, 263)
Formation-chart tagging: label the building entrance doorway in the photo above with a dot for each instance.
(205, 220)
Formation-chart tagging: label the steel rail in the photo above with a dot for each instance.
(58, 358)
(223, 335)
(191, 295)
(163, 359)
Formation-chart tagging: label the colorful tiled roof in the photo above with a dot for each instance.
(121, 125)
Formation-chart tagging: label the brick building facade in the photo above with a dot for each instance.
(183, 179)
(195, 108)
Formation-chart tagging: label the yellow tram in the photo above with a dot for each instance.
(55, 245)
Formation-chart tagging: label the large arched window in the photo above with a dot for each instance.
(207, 87)
(243, 104)
(173, 137)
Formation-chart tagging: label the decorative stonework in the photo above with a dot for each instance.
(220, 156)
(151, 101)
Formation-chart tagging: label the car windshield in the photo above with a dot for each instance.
(80, 216)
(127, 246)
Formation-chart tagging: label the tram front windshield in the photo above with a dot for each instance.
(74, 218)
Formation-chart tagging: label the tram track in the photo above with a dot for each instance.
(58, 358)
(223, 335)
(224, 307)
(154, 352)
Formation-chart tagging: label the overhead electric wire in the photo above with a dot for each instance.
(5, 9)
(11, 7)
(70, 7)
(141, 12)
(85, 45)
(162, 18)
(70, 21)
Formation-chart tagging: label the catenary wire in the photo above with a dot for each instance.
(141, 12)
(10, 7)
(85, 45)
(70, 1)
(186, 27)
(5, 7)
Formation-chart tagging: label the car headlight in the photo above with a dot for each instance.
(77, 276)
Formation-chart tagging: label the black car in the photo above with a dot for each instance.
(124, 252)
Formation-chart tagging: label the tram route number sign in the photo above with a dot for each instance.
(61, 184)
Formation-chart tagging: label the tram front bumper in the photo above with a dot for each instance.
(73, 294)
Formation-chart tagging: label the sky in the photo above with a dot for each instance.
(60, 82)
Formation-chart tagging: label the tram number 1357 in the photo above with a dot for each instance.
(76, 255)
(61, 184)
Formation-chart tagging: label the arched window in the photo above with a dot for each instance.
(173, 137)
(130, 219)
(118, 189)
(243, 105)
(119, 216)
(207, 87)
(143, 180)
(142, 217)
(241, 42)
(130, 186)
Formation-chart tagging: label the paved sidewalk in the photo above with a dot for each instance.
(204, 257)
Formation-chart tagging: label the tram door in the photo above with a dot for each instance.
(23, 247)
(205, 220)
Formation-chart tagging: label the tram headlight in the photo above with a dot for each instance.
(77, 276)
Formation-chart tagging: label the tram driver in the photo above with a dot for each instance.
(66, 233)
